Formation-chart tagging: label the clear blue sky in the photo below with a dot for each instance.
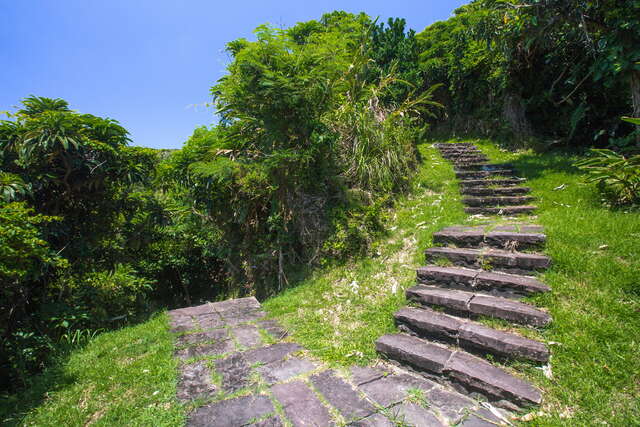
(150, 63)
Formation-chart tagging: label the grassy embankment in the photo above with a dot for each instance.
(338, 311)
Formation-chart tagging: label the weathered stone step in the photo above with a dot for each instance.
(460, 368)
(469, 335)
(467, 183)
(496, 259)
(453, 144)
(497, 200)
(511, 236)
(481, 166)
(499, 191)
(504, 210)
(468, 159)
(459, 156)
(471, 305)
(465, 175)
(502, 284)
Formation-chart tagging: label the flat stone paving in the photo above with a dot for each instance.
(237, 368)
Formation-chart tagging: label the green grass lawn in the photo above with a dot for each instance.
(121, 378)
(128, 377)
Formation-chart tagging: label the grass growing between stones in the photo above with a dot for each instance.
(121, 378)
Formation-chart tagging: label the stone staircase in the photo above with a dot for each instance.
(478, 271)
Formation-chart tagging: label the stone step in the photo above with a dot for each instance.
(468, 159)
(496, 259)
(453, 144)
(501, 284)
(466, 175)
(469, 335)
(481, 166)
(458, 156)
(505, 210)
(499, 191)
(497, 200)
(507, 236)
(470, 304)
(468, 183)
(460, 368)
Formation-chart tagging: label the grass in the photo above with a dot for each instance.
(128, 377)
(339, 311)
(122, 378)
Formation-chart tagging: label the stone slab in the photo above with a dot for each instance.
(364, 374)
(233, 412)
(414, 351)
(195, 382)
(341, 396)
(202, 337)
(475, 374)
(235, 372)
(415, 415)
(273, 328)
(474, 335)
(301, 406)
(247, 335)
(392, 389)
(271, 353)
(284, 370)
(375, 420)
(431, 295)
(451, 406)
(429, 323)
(218, 348)
(513, 311)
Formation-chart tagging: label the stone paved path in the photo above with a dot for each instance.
(238, 369)
(477, 271)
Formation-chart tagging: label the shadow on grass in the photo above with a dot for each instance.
(14, 407)
(534, 166)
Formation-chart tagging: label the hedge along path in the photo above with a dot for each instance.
(238, 369)
(478, 271)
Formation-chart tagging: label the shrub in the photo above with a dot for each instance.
(617, 176)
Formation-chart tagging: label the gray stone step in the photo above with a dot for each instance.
(501, 284)
(496, 200)
(460, 368)
(468, 183)
(466, 175)
(504, 210)
(469, 335)
(500, 191)
(471, 305)
(524, 236)
(496, 259)
(481, 166)
(465, 160)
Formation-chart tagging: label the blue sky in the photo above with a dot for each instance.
(150, 63)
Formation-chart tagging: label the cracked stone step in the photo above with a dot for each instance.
(489, 201)
(466, 175)
(501, 210)
(469, 335)
(499, 182)
(502, 284)
(481, 166)
(461, 368)
(500, 237)
(496, 259)
(499, 191)
(470, 304)
(465, 160)
(470, 157)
